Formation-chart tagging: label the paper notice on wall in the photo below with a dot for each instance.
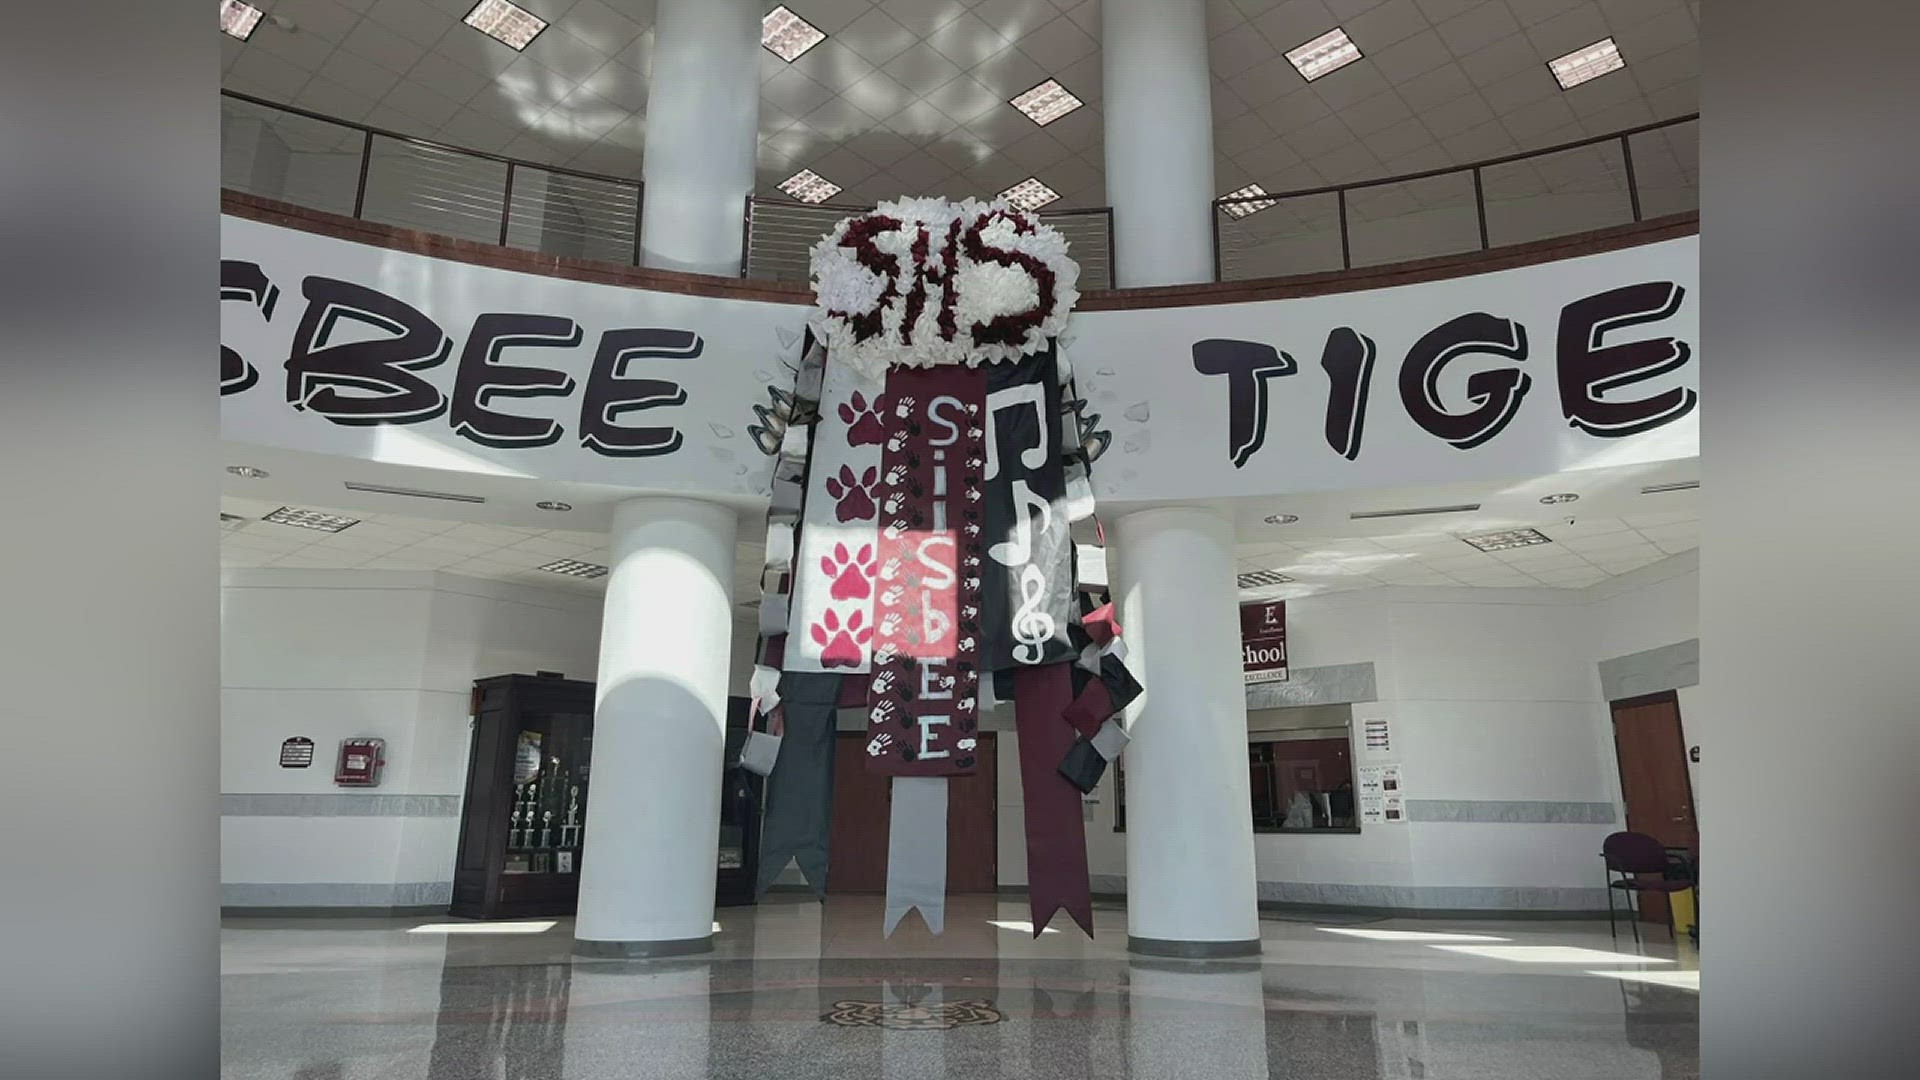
(1376, 737)
(1379, 796)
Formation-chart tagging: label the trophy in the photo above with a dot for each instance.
(513, 834)
(546, 830)
(570, 829)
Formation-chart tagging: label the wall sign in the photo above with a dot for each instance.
(296, 753)
(333, 346)
(1263, 642)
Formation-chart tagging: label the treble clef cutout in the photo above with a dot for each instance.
(1032, 627)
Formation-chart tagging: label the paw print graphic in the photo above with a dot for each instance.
(842, 642)
(863, 427)
(850, 572)
(878, 744)
(851, 494)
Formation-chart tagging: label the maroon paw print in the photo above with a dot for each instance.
(851, 495)
(863, 427)
(842, 643)
(850, 572)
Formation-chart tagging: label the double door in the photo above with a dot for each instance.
(863, 807)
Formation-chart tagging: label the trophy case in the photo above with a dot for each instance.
(523, 821)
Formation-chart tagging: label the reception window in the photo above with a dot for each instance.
(1299, 772)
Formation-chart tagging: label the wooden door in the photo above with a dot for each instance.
(1653, 779)
(862, 808)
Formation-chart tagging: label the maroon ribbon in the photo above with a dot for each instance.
(1056, 835)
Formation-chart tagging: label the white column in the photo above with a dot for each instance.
(1159, 140)
(703, 130)
(659, 732)
(1190, 874)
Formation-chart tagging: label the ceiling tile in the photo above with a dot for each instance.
(1520, 89)
(1460, 114)
(1573, 29)
(965, 100)
(1664, 69)
(412, 20)
(1081, 129)
(1000, 127)
(922, 69)
(879, 96)
(476, 51)
(1348, 164)
(1293, 23)
(1013, 18)
(1488, 140)
(1057, 44)
(1320, 137)
(831, 16)
(423, 103)
(566, 55)
(1534, 12)
(795, 92)
(1394, 143)
(1036, 152)
(1657, 35)
(1268, 81)
(477, 131)
(1350, 85)
(1478, 27)
(920, 123)
(603, 27)
(1501, 59)
(591, 116)
(1438, 11)
(1009, 74)
(1412, 56)
(301, 50)
(1227, 104)
(1086, 15)
(920, 172)
(1238, 51)
(1241, 134)
(623, 86)
(1430, 156)
(1529, 123)
(267, 76)
(1677, 100)
(967, 40)
(454, 80)
(1294, 111)
(838, 119)
(880, 146)
(332, 99)
(1376, 114)
(877, 37)
(922, 17)
(1385, 24)
(1621, 14)
(834, 64)
(1086, 79)
(328, 20)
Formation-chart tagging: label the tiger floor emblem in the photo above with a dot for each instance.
(913, 1017)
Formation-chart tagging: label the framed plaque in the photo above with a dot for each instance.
(296, 753)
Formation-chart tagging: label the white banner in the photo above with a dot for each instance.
(345, 348)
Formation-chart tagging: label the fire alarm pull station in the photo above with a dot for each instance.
(360, 762)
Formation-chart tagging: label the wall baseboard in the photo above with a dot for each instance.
(321, 912)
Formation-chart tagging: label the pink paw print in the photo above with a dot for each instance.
(842, 642)
(851, 494)
(863, 427)
(850, 572)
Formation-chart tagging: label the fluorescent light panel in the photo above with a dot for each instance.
(311, 519)
(1256, 579)
(809, 187)
(574, 568)
(509, 24)
(788, 36)
(1586, 64)
(238, 20)
(1507, 539)
(1330, 51)
(1030, 194)
(1047, 102)
(1251, 206)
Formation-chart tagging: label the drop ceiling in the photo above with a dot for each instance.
(911, 96)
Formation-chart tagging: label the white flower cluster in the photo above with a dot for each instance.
(846, 291)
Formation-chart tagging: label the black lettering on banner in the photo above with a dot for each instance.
(243, 281)
(1348, 362)
(611, 392)
(1247, 365)
(482, 377)
(384, 367)
(1495, 394)
(1588, 369)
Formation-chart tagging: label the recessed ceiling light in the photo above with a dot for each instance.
(549, 504)
(809, 187)
(1588, 63)
(310, 519)
(1281, 519)
(238, 20)
(1030, 194)
(1508, 538)
(1047, 102)
(1328, 52)
(509, 24)
(1255, 579)
(248, 471)
(1562, 497)
(1251, 206)
(574, 568)
(787, 35)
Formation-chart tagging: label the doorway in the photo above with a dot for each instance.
(1652, 751)
(863, 806)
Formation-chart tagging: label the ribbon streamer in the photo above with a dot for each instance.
(799, 817)
(1056, 835)
(917, 851)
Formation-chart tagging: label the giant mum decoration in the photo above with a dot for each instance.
(926, 282)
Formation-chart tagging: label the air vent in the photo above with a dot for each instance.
(1678, 485)
(574, 568)
(311, 519)
(414, 493)
(1507, 539)
(1260, 579)
(1416, 511)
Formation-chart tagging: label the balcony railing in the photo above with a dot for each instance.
(1629, 176)
(781, 232)
(281, 152)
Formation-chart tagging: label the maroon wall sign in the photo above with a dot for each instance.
(1263, 642)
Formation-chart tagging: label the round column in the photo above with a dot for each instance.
(659, 732)
(1159, 140)
(703, 130)
(1190, 872)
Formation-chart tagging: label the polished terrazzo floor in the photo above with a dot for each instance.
(795, 991)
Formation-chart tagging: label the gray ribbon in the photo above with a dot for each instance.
(917, 851)
(799, 817)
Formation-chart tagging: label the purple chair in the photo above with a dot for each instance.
(1630, 853)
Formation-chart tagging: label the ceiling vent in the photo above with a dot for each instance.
(414, 493)
(1260, 579)
(1677, 485)
(1416, 511)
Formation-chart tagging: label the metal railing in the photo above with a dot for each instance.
(1633, 175)
(779, 234)
(286, 153)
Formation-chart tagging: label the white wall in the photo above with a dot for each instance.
(334, 654)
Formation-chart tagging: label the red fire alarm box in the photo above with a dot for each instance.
(360, 762)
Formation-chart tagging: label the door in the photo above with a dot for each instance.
(862, 808)
(1653, 779)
